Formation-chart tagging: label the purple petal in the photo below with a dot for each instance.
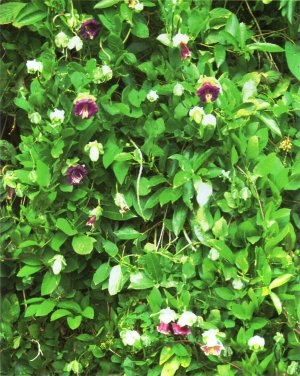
(90, 29)
(208, 92)
(85, 108)
(181, 330)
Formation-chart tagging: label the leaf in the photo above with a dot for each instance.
(83, 245)
(139, 281)
(151, 264)
(219, 54)
(65, 226)
(292, 54)
(74, 322)
(101, 273)
(253, 147)
(43, 174)
(45, 308)
(225, 293)
(115, 280)
(8, 11)
(277, 302)
(49, 283)
(267, 47)
(166, 353)
(110, 248)
(140, 28)
(88, 312)
(106, 4)
(29, 15)
(59, 313)
(171, 366)
(27, 270)
(224, 251)
(127, 233)
(270, 123)
(279, 281)
(179, 218)
(120, 170)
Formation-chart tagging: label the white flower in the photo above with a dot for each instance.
(57, 116)
(136, 278)
(256, 343)
(204, 191)
(180, 38)
(167, 315)
(237, 284)
(35, 118)
(130, 337)
(94, 148)
(209, 335)
(196, 114)
(107, 72)
(164, 39)
(61, 40)
(76, 43)
(152, 96)
(187, 318)
(139, 7)
(58, 262)
(209, 120)
(178, 90)
(121, 203)
(34, 66)
(213, 254)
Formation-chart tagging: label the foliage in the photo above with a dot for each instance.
(173, 212)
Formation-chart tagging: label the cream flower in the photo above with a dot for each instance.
(34, 66)
(152, 96)
(167, 315)
(187, 318)
(130, 337)
(256, 343)
(180, 38)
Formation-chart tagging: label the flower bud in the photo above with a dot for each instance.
(57, 116)
(237, 284)
(58, 262)
(94, 148)
(209, 120)
(178, 90)
(34, 66)
(196, 114)
(35, 118)
(139, 7)
(130, 337)
(213, 254)
(256, 343)
(61, 40)
(152, 96)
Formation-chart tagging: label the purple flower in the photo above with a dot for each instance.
(90, 29)
(212, 350)
(181, 330)
(208, 92)
(163, 328)
(85, 108)
(10, 192)
(91, 221)
(185, 52)
(76, 174)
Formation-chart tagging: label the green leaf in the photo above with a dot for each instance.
(27, 270)
(225, 293)
(277, 302)
(270, 123)
(50, 283)
(43, 174)
(101, 273)
(151, 264)
(171, 366)
(120, 170)
(59, 313)
(219, 54)
(45, 308)
(223, 249)
(179, 218)
(88, 312)
(267, 47)
(279, 281)
(253, 147)
(127, 233)
(29, 15)
(65, 226)
(140, 28)
(83, 244)
(74, 322)
(139, 281)
(166, 353)
(115, 280)
(110, 248)
(292, 54)
(106, 4)
(8, 11)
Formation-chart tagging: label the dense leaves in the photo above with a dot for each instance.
(150, 187)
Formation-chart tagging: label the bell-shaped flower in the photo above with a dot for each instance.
(163, 328)
(85, 106)
(34, 66)
(58, 263)
(90, 29)
(57, 116)
(94, 149)
(256, 343)
(196, 114)
(61, 40)
(130, 337)
(209, 89)
(187, 318)
(204, 191)
(152, 96)
(120, 201)
(181, 330)
(178, 90)
(209, 120)
(76, 174)
(164, 39)
(167, 315)
(75, 43)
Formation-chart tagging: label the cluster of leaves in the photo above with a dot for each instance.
(119, 274)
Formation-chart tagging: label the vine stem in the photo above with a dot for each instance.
(40, 352)
(139, 177)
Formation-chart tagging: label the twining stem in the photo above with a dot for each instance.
(40, 352)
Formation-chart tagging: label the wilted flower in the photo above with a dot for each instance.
(57, 116)
(76, 174)
(61, 40)
(152, 96)
(75, 42)
(212, 345)
(209, 120)
(130, 337)
(58, 262)
(91, 221)
(94, 215)
(178, 90)
(209, 90)
(34, 66)
(256, 343)
(213, 254)
(181, 330)
(94, 148)
(167, 315)
(196, 114)
(90, 29)
(10, 192)
(85, 106)
(139, 7)
(121, 203)
(35, 118)
(187, 318)
(182, 41)
(237, 284)
(163, 328)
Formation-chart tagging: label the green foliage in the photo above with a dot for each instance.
(175, 211)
